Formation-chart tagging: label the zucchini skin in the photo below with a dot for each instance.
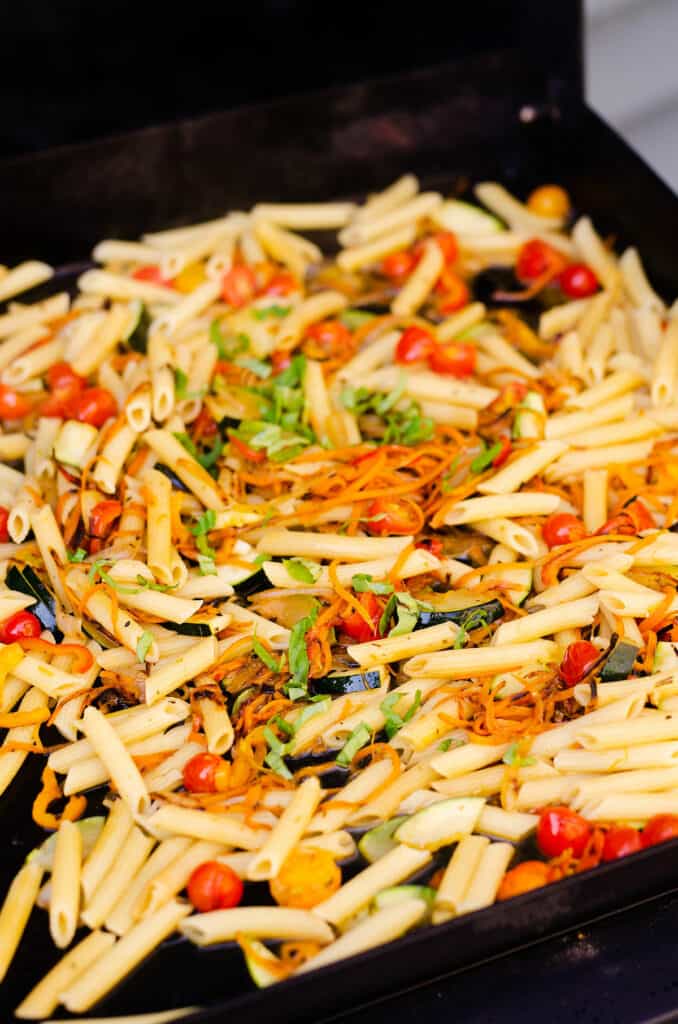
(27, 581)
(619, 663)
(252, 584)
(188, 628)
(491, 610)
(177, 484)
(352, 682)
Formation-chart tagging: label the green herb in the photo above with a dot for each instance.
(206, 554)
(362, 582)
(285, 727)
(445, 745)
(264, 655)
(298, 656)
(358, 739)
(394, 721)
(188, 444)
(317, 707)
(476, 619)
(354, 318)
(513, 758)
(77, 556)
(144, 644)
(257, 366)
(277, 750)
(206, 522)
(181, 386)
(486, 457)
(302, 569)
(228, 348)
(460, 639)
(279, 445)
(403, 425)
(206, 565)
(97, 569)
(407, 612)
(265, 312)
(145, 584)
(209, 458)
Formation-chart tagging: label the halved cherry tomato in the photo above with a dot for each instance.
(238, 286)
(282, 283)
(94, 406)
(536, 259)
(630, 520)
(578, 660)
(214, 886)
(562, 528)
(4, 516)
(306, 878)
(578, 281)
(414, 345)
(506, 448)
(330, 335)
(13, 406)
(454, 357)
(102, 517)
(354, 624)
(399, 265)
(432, 544)
(153, 274)
(62, 376)
(660, 829)
(446, 242)
(549, 201)
(244, 450)
(280, 360)
(454, 291)
(385, 517)
(620, 841)
(561, 829)
(531, 874)
(20, 626)
(205, 773)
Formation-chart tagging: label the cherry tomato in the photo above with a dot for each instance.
(432, 544)
(549, 201)
(214, 886)
(633, 518)
(280, 360)
(244, 450)
(306, 878)
(62, 376)
(102, 517)
(94, 406)
(386, 518)
(204, 773)
(398, 265)
(578, 281)
(20, 626)
(4, 516)
(531, 874)
(562, 528)
(506, 448)
(456, 358)
(578, 660)
(454, 291)
(13, 406)
(330, 335)
(660, 829)
(153, 274)
(446, 242)
(238, 286)
(537, 258)
(282, 283)
(561, 829)
(620, 841)
(354, 624)
(414, 345)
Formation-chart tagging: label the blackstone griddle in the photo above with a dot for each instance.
(515, 115)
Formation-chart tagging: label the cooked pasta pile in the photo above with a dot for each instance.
(328, 573)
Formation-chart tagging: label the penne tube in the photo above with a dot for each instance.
(511, 534)
(467, 758)
(418, 562)
(382, 926)
(330, 545)
(12, 760)
(367, 230)
(122, 916)
(188, 307)
(562, 318)
(422, 384)
(614, 386)
(635, 281)
(570, 589)
(169, 879)
(402, 190)
(333, 813)
(371, 356)
(595, 498)
(43, 999)
(526, 503)
(371, 712)
(309, 311)
(110, 749)
(359, 256)
(486, 879)
(503, 824)
(566, 424)
(36, 314)
(650, 728)
(22, 277)
(635, 429)
(477, 661)
(497, 199)
(106, 849)
(390, 800)
(456, 324)
(425, 729)
(169, 673)
(190, 472)
(112, 457)
(421, 641)
(16, 910)
(215, 828)
(64, 901)
(631, 807)
(286, 834)
(111, 889)
(573, 463)
(457, 877)
(306, 216)
(644, 780)
(548, 744)
(522, 468)
(665, 369)
(261, 922)
(217, 725)
(644, 755)
(571, 615)
(421, 281)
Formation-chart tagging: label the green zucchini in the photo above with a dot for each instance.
(665, 656)
(442, 823)
(188, 628)
(256, 955)
(353, 682)
(90, 830)
(378, 841)
(136, 335)
(619, 663)
(398, 893)
(177, 484)
(530, 417)
(252, 584)
(468, 618)
(242, 698)
(516, 582)
(27, 581)
(467, 219)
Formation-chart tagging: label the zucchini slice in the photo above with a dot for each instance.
(27, 581)
(398, 893)
(441, 823)
(467, 219)
(136, 335)
(353, 682)
(619, 664)
(665, 656)
(252, 584)
(188, 628)
(90, 830)
(177, 484)
(468, 618)
(378, 841)
(257, 958)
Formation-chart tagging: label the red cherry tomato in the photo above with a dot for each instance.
(399, 265)
(205, 773)
(432, 544)
(4, 516)
(578, 281)
(385, 518)
(631, 520)
(102, 517)
(414, 345)
(153, 275)
(355, 626)
(20, 626)
(62, 376)
(282, 283)
(447, 243)
(214, 886)
(238, 286)
(578, 660)
(537, 258)
(13, 406)
(280, 360)
(456, 358)
(562, 528)
(454, 291)
(330, 335)
(506, 449)
(660, 829)
(244, 450)
(561, 829)
(531, 874)
(94, 406)
(620, 841)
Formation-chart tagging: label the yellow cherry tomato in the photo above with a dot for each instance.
(549, 201)
(306, 878)
(190, 277)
